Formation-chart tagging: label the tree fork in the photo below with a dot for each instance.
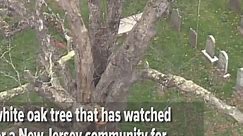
(119, 74)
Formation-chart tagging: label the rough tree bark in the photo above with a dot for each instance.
(119, 74)
(83, 57)
(103, 33)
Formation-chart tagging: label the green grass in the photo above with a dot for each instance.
(24, 52)
(169, 52)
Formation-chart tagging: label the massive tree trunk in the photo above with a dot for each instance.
(117, 74)
(101, 73)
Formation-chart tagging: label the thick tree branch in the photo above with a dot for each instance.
(15, 6)
(113, 20)
(48, 83)
(49, 90)
(98, 38)
(22, 17)
(49, 87)
(94, 16)
(118, 76)
(57, 95)
(19, 26)
(83, 57)
(55, 21)
(103, 33)
(188, 86)
(66, 57)
(8, 94)
(61, 69)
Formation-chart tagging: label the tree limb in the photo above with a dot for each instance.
(54, 20)
(15, 6)
(83, 57)
(113, 20)
(66, 57)
(94, 16)
(55, 94)
(103, 33)
(19, 26)
(188, 86)
(98, 38)
(7, 95)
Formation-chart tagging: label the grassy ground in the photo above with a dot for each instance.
(170, 53)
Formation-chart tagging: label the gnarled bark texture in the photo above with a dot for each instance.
(188, 86)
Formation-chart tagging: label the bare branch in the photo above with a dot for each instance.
(188, 86)
(66, 57)
(15, 6)
(61, 69)
(9, 94)
(52, 92)
(57, 95)
(103, 34)
(113, 20)
(98, 37)
(9, 61)
(50, 88)
(19, 27)
(58, 23)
